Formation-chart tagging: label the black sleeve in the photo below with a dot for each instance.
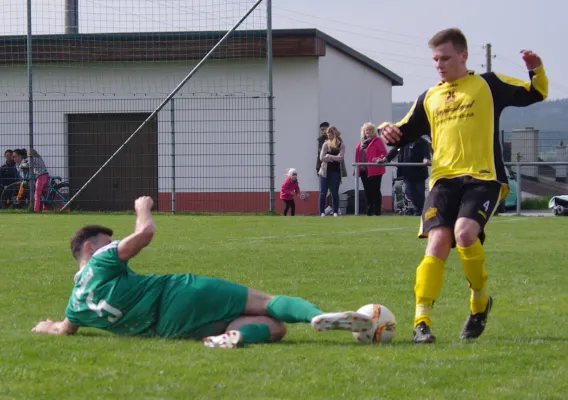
(414, 124)
(509, 91)
(392, 154)
(424, 149)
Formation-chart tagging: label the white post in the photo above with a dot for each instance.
(356, 190)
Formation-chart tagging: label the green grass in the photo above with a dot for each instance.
(338, 263)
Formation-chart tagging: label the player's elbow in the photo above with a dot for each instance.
(146, 232)
(147, 235)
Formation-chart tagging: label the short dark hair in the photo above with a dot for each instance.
(324, 125)
(21, 152)
(453, 35)
(8, 151)
(83, 235)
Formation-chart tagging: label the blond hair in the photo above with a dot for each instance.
(333, 144)
(368, 125)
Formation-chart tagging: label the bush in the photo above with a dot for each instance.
(535, 203)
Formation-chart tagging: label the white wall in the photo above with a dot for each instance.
(351, 94)
(221, 140)
(230, 131)
(296, 119)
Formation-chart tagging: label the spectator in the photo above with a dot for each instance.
(20, 156)
(321, 139)
(414, 178)
(8, 171)
(40, 173)
(371, 148)
(290, 187)
(330, 172)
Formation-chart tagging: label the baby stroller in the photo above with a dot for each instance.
(401, 203)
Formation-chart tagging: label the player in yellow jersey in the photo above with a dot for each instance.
(461, 114)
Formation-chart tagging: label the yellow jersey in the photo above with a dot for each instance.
(462, 119)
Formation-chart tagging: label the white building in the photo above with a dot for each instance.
(92, 91)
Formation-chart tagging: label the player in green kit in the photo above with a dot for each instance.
(109, 295)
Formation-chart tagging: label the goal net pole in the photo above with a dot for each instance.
(166, 100)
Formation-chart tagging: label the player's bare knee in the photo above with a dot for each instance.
(277, 331)
(466, 232)
(439, 242)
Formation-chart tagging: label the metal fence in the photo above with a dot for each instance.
(528, 194)
(197, 154)
(75, 99)
(532, 144)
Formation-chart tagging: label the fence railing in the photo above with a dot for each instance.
(516, 165)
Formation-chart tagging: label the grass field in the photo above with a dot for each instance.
(338, 263)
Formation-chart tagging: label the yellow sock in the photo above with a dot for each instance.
(473, 260)
(429, 280)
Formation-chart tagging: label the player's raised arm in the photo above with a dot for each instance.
(143, 231)
(414, 124)
(520, 93)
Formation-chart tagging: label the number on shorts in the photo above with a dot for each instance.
(486, 205)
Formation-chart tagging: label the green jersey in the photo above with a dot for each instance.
(108, 295)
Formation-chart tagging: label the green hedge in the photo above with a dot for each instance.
(536, 203)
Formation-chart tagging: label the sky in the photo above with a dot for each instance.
(394, 33)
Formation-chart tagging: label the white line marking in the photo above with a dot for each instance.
(341, 233)
(263, 238)
(346, 233)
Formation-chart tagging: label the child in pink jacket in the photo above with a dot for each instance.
(290, 187)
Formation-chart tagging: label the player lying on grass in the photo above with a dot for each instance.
(108, 295)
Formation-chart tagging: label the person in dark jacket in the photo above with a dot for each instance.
(8, 171)
(321, 140)
(414, 178)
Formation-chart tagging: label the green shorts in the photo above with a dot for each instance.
(194, 306)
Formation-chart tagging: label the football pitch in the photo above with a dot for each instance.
(337, 263)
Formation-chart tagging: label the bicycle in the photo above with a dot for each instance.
(17, 194)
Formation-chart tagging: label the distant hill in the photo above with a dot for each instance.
(551, 116)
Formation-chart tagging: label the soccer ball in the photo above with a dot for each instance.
(384, 325)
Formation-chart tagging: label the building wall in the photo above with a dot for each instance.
(350, 95)
(221, 141)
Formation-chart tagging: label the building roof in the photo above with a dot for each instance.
(331, 41)
(169, 46)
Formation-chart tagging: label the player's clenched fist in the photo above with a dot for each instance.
(531, 59)
(143, 203)
(391, 134)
